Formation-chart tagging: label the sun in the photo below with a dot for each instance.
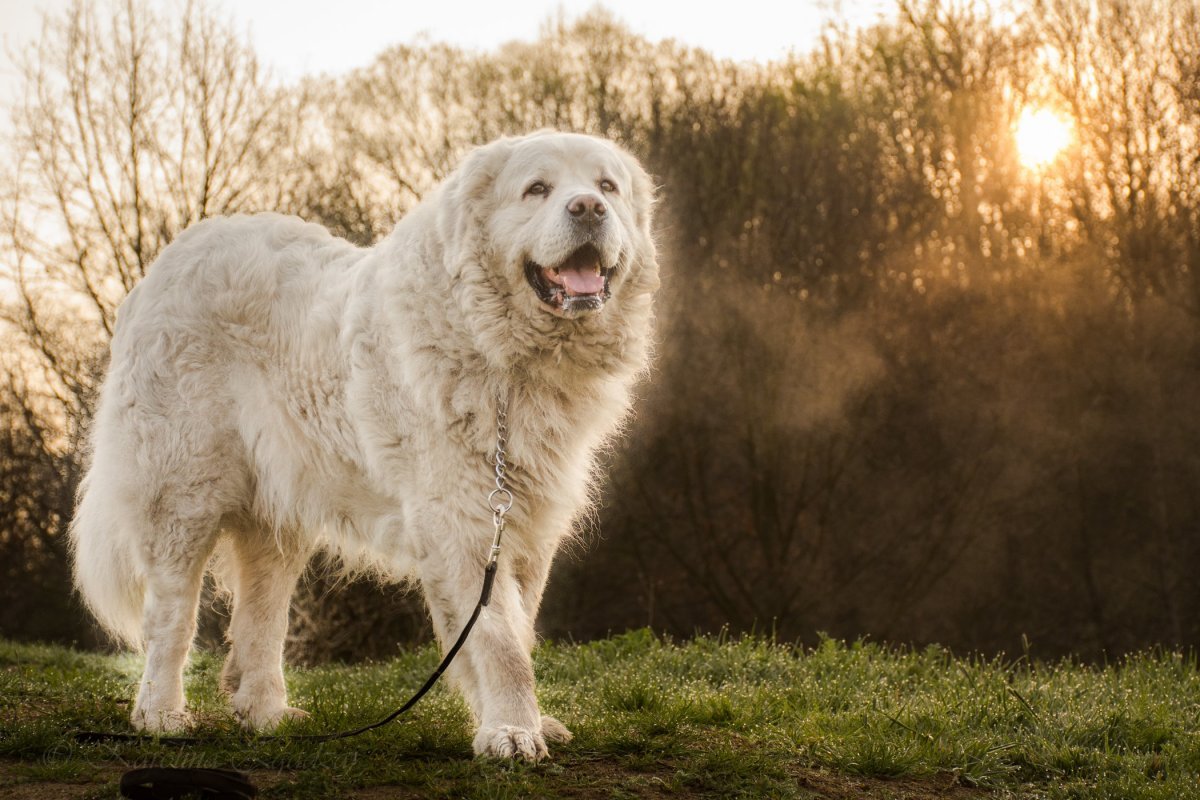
(1041, 135)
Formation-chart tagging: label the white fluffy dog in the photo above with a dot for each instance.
(275, 390)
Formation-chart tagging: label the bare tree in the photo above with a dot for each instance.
(132, 126)
(1127, 71)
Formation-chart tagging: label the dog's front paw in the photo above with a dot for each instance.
(164, 722)
(509, 741)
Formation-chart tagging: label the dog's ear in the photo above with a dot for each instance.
(467, 201)
(644, 275)
(644, 194)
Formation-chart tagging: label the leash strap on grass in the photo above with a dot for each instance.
(161, 783)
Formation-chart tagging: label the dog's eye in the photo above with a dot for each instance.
(607, 186)
(537, 188)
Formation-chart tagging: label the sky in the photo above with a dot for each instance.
(298, 37)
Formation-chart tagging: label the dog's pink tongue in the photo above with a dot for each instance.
(581, 281)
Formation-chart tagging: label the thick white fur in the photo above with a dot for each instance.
(277, 390)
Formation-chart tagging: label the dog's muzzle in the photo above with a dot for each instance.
(578, 285)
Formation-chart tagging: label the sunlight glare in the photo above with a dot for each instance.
(1041, 135)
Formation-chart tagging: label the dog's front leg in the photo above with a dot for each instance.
(494, 668)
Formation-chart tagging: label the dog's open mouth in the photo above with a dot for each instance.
(578, 284)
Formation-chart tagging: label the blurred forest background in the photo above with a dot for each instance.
(908, 387)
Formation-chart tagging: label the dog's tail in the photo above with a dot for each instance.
(108, 573)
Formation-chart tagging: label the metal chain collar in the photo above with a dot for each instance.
(501, 498)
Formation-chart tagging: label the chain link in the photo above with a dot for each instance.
(501, 498)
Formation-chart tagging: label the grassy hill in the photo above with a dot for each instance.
(654, 718)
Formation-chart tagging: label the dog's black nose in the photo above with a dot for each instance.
(587, 208)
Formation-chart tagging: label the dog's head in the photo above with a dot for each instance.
(551, 230)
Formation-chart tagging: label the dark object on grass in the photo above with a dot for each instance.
(162, 783)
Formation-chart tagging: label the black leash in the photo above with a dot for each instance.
(161, 783)
(489, 576)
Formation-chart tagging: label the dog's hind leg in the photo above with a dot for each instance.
(175, 572)
(264, 575)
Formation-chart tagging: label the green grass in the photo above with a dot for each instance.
(706, 718)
